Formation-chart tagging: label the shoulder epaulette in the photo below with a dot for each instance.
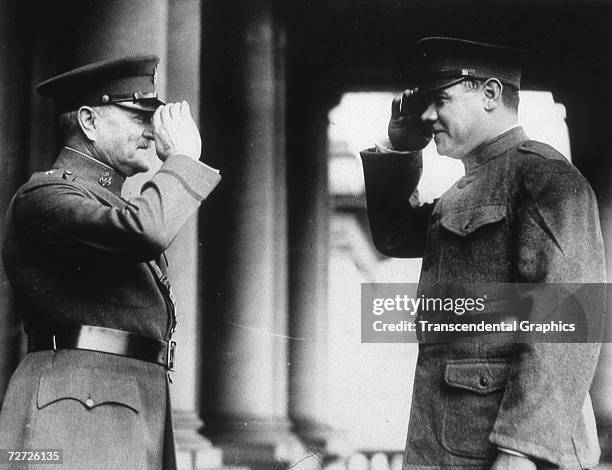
(541, 149)
(57, 173)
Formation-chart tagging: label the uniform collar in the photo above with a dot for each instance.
(493, 148)
(78, 164)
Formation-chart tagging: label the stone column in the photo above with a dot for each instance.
(245, 327)
(308, 265)
(14, 95)
(183, 82)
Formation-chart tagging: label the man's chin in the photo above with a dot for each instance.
(134, 170)
(442, 149)
(449, 154)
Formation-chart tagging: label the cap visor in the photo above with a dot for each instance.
(434, 85)
(148, 105)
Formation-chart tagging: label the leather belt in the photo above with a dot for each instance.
(106, 340)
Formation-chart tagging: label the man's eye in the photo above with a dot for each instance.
(142, 120)
(439, 100)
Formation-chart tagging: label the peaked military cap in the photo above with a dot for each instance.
(128, 82)
(447, 61)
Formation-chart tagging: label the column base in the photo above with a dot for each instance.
(260, 444)
(328, 442)
(193, 451)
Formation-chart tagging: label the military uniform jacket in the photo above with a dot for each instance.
(77, 254)
(521, 214)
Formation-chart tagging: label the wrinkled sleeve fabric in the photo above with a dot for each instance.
(398, 221)
(50, 213)
(558, 240)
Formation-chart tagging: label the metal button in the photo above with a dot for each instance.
(105, 98)
(484, 381)
(89, 403)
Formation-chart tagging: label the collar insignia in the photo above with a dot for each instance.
(105, 179)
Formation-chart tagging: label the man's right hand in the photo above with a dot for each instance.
(505, 461)
(407, 132)
(175, 132)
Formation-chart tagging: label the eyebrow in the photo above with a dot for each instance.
(440, 94)
(142, 116)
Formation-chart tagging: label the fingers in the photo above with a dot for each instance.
(407, 94)
(396, 105)
(185, 111)
(174, 110)
(399, 103)
(171, 111)
(156, 120)
(405, 100)
(164, 115)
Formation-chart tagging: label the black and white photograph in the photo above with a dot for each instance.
(305, 234)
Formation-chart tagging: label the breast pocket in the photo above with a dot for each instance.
(473, 391)
(93, 416)
(466, 223)
(474, 243)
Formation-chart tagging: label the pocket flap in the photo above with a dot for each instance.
(90, 387)
(465, 222)
(478, 376)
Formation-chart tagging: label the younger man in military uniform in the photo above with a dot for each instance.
(521, 214)
(88, 272)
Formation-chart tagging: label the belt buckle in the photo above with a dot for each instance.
(170, 356)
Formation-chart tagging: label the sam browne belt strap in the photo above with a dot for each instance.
(106, 340)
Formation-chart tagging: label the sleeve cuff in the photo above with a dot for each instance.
(384, 146)
(512, 452)
(535, 451)
(209, 167)
(196, 176)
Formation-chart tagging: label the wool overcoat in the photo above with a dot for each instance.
(76, 253)
(521, 214)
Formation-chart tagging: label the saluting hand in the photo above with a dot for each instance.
(407, 132)
(175, 132)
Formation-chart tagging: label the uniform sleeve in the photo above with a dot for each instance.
(397, 221)
(560, 250)
(53, 214)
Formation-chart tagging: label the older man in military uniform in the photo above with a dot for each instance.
(521, 214)
(89, 273)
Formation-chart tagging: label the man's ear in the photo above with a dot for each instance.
(87, 122)
(492, 93)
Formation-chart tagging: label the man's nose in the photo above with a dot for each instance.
(148, 134)
(429, 114)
